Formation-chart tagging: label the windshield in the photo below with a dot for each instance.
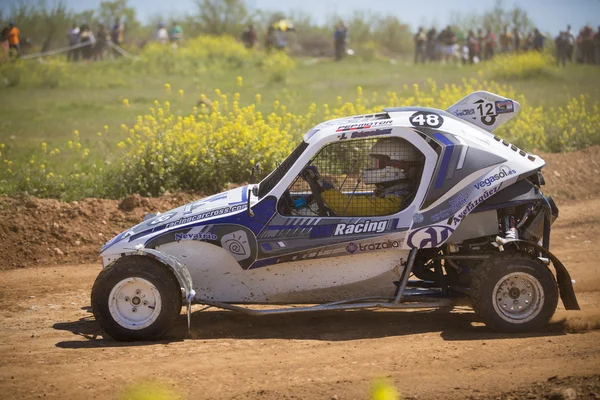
(274, 177)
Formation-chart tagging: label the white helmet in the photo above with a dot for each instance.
(387, 158)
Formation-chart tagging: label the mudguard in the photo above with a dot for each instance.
(565, 285)
(179, 270)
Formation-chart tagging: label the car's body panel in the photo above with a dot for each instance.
(233, 256)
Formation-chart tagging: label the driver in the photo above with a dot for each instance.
(395, 166)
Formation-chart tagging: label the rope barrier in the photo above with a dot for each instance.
(76, 46)
(55, 51)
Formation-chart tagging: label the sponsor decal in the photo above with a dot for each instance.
(469, 207)
(379, 246)
(351, 248)
(237, 244)
(360, 227)
(429, 236)
(504, 172)
(418, 218)
(465, 112)
(207, 214)
(363, 125)
(504, 106)
(162, 218)
(363, 134)
(455, 204)
(195, 236)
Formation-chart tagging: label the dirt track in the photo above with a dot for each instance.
(49, 347)
(49, 350)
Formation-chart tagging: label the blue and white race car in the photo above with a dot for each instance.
(361, 205)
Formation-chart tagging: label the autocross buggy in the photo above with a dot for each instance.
(362, 204)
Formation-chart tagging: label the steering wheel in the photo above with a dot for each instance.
(316, 189)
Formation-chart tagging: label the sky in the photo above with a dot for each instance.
(549, 15)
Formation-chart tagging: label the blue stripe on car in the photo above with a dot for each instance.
(445, 160)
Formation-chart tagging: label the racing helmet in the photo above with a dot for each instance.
(390, 159)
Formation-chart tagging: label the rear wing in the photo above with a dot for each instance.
(486, 110)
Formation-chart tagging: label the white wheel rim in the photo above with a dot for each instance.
(134, 303)
(518, 297)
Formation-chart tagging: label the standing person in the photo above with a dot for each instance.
(490, 44)
(597, 46)
(73, 35)
(4, 42)
(420, 45)
(473, 46)
(588, 45)
(570, 42)
(516, 40)
(176, 34)
(100, 46)
(339, 41)
(430, 46)
(561, 43)
(13, 38)
(117, 35)
(249, 37)
(449, 42)
(538, 40)
(505, 40)
(162, 35)
(88, 40)
(481, 43)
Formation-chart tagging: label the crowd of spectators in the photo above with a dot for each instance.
(453, 45)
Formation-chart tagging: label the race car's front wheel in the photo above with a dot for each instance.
(514, 292)
(137, 298)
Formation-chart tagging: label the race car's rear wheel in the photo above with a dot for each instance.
(514, 292)
(137, 298)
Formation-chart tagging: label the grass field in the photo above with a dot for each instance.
(31, 115)
(101, 97)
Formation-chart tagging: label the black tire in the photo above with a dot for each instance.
(137, 267)
(524, 278)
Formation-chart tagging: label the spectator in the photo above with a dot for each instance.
(270, 39)
(449, 43)
(100, 46)
(176, 34)
(249, 37)
(339, 40)
(473, 46)
(430, 46)
(117, 33)
(528, 45)
(516, 40)
(73, 34)
(579, 47)
(420, 46)
(13, 38)
(4, 41)
(561, 42)
(588, 45)
(597, 46)
(490, 44)
(481, 43)
(538, 40)
(570, 42)
(162, 35)
(87, 40)
(505, 40)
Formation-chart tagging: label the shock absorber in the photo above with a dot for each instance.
(510, 227)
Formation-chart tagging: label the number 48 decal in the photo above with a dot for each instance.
(425, 118)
